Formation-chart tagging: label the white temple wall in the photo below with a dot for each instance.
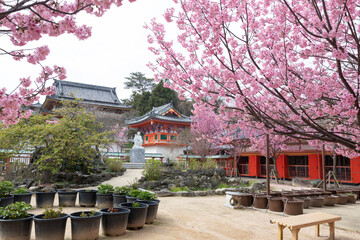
(171, 152)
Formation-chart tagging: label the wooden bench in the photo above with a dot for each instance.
(295, 223)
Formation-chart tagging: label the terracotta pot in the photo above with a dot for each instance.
(293, 207)
(275, 194)
(341, 199)
(276, 204)
(289, 196)
(316, 201)
(260, 201)
(330, 200)
(306, 201)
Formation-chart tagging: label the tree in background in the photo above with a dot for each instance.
(288, 67)
(186, 138)
(29, 20)
(70, 143)
(139, 83)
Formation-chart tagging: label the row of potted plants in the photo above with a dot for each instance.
(16, 222)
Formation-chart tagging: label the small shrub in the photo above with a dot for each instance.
(105, 188)
(224, 185)
(124, 190)
(21, 190)
(146, 196)
(51, 213)
(135, 193)
(152, 169)
(178, 189)
(6, 188)
(209, 164)
(135, 205)
(195, 164)
(114, 164)
(87, 214)
(16, 210)
(180, 166)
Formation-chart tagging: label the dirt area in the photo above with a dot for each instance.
(208, 218)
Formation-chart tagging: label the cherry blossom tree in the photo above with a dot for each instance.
(25, 21)
(289, 67)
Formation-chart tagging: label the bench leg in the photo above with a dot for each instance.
(280, 232)
(332, 230)
(295, 233)
(317, 230)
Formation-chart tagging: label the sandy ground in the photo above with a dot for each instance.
(208, 218)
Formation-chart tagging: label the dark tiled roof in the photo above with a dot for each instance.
(157, 113)
(92, 94)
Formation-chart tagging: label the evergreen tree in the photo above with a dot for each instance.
(139, 83)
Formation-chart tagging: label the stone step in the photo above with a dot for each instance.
(134, 165)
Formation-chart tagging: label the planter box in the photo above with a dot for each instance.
(85, 227)
(87, 198)
(104, 200)
(19, 229)
(53, 228)
(115, 223)
(44, 199)
(152, 210)
(6, 201)
(117, 199)
(67, 199)
(26, 197)
(137, 217)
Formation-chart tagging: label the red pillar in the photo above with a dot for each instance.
(254, 165)
(282, 166)
(355, 170)
(315, 166)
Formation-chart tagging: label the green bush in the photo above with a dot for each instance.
(114, 164)
(146, 196)
(178, 189)
(6, 188)
(209, 164)
(180, 166)
(105, 188)
(135, 205)
(195, 164)
(152, 169)
(16, 210)
(50, 213)
(124, 190)
(21, 190)
(135, 193)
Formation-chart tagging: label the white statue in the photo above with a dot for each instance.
(138, 141)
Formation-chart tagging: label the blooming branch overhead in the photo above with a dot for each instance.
(290, 67)
(29, 20)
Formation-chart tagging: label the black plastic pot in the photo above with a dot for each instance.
(24, 197)
(85, 227)
(152, 210)
(137, 216)
(117, 199)
(16, 229)
(67, 198)
(44, 199)
(6, 201)
(115, 223)
(53, 228)
(87, 198)
(130, 199)
(104, 200)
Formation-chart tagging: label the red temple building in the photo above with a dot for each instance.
(160, 128)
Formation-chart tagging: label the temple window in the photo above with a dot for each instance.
(163, 137)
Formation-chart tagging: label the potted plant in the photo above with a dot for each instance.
(15, 222)
(85, 225)
(50, 224)
(105, 196)
(6, 198)
(351, 197)
(45, 197)
(149, 199)
(133, 194)
(119, 195)
(87, 198)
(137, 216)
(114, 221)
(22, 195)
(67, 197)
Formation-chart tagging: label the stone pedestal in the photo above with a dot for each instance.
(137, 155)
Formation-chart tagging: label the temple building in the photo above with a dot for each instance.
(160, 128)
(100, 97)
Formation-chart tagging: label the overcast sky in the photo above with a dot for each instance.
(117, 47)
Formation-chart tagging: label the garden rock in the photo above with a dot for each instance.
(164, 193)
